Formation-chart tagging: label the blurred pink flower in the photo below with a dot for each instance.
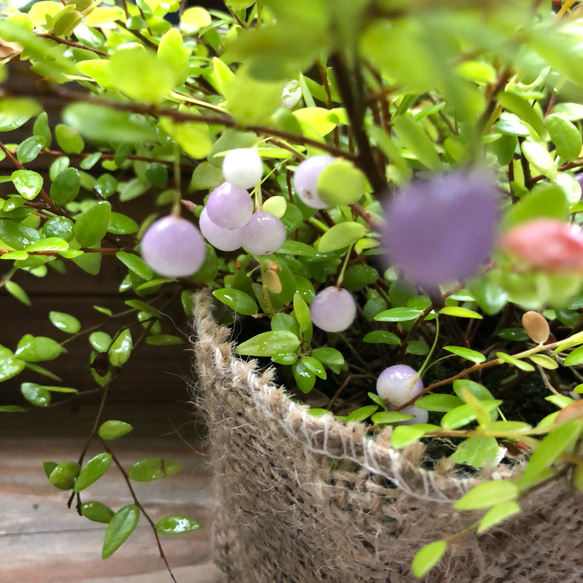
(546, 244)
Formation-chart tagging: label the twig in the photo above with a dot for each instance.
(69, 43)
(139, 505)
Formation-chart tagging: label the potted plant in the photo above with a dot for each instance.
(385, 205)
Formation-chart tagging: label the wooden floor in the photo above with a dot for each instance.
(42, 541)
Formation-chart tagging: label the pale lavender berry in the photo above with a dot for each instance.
(333, 309)
(229, 207)
(222, 239)
(398, 384)
(442, 229)
(306, 179)
(173, 247)
(243, 167)
(420, 415)
(263, 234)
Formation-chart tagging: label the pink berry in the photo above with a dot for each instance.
(333, 309)
(398, 384)
(263, 234)
(306, 179)
(229, 207)
(173, 247)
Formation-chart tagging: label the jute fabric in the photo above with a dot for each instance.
(301, 499)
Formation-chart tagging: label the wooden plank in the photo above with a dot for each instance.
(41, 541)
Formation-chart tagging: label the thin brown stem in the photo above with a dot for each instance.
(70, 43)
(139, 505)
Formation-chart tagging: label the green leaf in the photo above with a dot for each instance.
(476, 389)
(490, 297)
(515, 334)
(465, 414)
(175, 525)
(466, 353)
(163, 340)
(322, 120)
(439, 403)
(341, 183)
(12, 409)
(565, 136)
(545, 361)
(157, 174)
(398, 315)
(65, 187)
(91, 226)
(69, 139)
(173, 54)
(106, 185)
(404, 435)
(63, 475)
(414, 137)
(341, 236)
(387, 417)
(381, 337)
(96, 511)
(476, 451)
(197, 17)
(488, 494)
(303, 316)
(549, 449)
(38, 348)
(425, 559)
(575, 357)
(136, 264)
(122, 225)
(291, 247)
(48, 244)
(120, 527)
(121, 349)
(14, 113)
(137, 72)
(100, 341)
(153, 468)
(539, 158)
(114, 429)
(102, 124)
(90, 161)
(361, 414)
(237, 300)
(544, 201)
(92, 471)
(193, 137)
(329, 356)
(519, 106)
(16, 291)
(35, 394)
(27, 182)
(268, 343)
(497, 514)
(417, 347)
(515, 362)
(460, 312)
(304, 377)
(29, 149)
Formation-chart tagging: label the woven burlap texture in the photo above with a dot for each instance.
(301, 499)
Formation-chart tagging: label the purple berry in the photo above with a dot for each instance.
(398, 384)
(421, 416)
(333, 309)
(306, 178)
(229, 207)
(173, 247)
(263, 234)
(243, 167)
(442, 229)
(222, 239)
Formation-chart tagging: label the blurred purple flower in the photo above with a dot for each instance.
(442, 229)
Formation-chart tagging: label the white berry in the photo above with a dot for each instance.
(243, 167)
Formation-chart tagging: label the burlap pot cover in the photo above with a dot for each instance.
(303, 499)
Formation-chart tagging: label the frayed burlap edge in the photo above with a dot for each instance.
(302, 499)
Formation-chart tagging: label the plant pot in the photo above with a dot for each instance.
(303, 499)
